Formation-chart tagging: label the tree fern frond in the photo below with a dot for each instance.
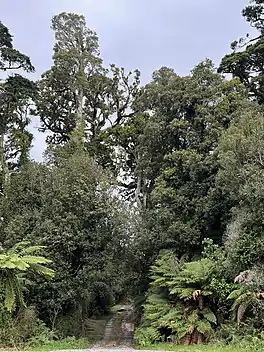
(10, 295)
(182, 292)
(42, 270)
(32, 249)
(209, 315)
(236, 293)
(18, 290)
(18, 247)
(30, 259)
(204, 327)
(13, 264)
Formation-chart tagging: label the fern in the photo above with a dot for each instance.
(176, 298)
(166, 267)
(10, 295)
(14, 263)
(236, 293)
(244, 298)
(182, 292)
(204, 327)
(209, 315)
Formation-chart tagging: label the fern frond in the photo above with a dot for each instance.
(10, 295)
(32, 250)
(182, 292)
(31, 259)
(236, 293)
(16, 262)
(209, 315)
(18, 290)
(18, 247)
(42, 270)
(204, 327)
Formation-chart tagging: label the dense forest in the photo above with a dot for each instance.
(150, 193)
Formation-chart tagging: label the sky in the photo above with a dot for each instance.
(142, 34)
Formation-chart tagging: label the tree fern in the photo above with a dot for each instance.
(15, 262)
(176, 299)
(244, 298)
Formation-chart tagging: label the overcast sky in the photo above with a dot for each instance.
(143, 34)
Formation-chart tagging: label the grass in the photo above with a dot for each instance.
(63, 345)
(205, 348)
(83, 344)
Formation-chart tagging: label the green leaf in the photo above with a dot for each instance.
(22, 265)
(204, 327)
(8, 265)
(236, 293)
(209, 315)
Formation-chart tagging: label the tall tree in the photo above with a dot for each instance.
(146, 137)
(241, 158)
(16, 92)
(247, 60)
(191, 113)
(78, 90)
(76, 63)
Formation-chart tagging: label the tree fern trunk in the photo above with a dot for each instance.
(200, 338)
(187, 339)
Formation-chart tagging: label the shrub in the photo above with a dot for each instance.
(22, 329)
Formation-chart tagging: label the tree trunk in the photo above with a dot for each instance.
(4, 174)
(240, 313)
(201, 302)
(144, 202)
(79, 133)
(187, 339)
(79, 109)
(200, 338)
(138, 192)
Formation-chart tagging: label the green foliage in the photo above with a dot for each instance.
(84, 227)
(10, 58)
(146, 336)
(15, 263)
(246, 61)
(179, 165)
(183, 298)
(77, 91)
(16, 93)
(22, 329)
(69, 343)
(240, 156)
